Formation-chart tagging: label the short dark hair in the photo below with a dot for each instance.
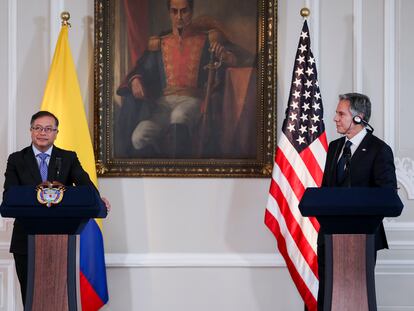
(190, 4)
(43, 113)
(359, 104)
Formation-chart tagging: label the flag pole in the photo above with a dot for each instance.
(305, 12)
(63, 98)
(299, 163)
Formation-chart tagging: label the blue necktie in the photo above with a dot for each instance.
(43, 165)
(341, 168)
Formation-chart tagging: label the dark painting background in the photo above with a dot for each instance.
(136, 20)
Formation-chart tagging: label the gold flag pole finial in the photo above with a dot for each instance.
(65, 16)
(305, 12)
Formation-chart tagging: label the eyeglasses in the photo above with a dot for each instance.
(39, 129)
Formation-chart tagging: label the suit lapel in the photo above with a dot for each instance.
(339, 149)
(361, 150)
(51, 171)
(31, 162)
(335, 159)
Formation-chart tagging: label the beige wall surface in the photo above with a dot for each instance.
(201, 244)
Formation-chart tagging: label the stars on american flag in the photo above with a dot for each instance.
(301, 59)
(304, 114)
(304, 35)
(304, 117)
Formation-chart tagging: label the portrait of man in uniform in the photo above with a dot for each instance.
(173, 98)
(187, 87)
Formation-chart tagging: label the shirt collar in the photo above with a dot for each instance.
(37, 151)
(357, 139)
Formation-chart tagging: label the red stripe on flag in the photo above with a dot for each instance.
(294, 180)
(324, 141)
(317, 175)
(295, 230)
(312, 165)
(290, 174)
(89, 298)
(303, 289)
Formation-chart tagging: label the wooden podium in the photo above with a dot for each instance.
(51, 280)
(349, 218)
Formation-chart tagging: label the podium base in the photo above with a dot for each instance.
(51, 280)
(350, 272)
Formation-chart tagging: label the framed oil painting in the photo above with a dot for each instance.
(185, 88)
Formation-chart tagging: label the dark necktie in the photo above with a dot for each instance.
(342, 168)
(43, 165)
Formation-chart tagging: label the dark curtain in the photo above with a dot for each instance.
(137, 27)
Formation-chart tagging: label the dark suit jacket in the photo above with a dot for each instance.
(372, 165)
(22, 169)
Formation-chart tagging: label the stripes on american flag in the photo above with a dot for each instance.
(299, 163)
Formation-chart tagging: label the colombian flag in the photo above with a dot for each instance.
(63, 98)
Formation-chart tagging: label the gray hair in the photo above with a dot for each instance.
(359, 104)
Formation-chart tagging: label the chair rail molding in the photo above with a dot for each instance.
(233, 260)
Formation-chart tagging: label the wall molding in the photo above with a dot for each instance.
(394, 267)
(2, 290)
(401, 245)
(357, 46)
(390, 98)
(12, 76)
(8, 287)
(6, 224)
(4, 246)
(127, 260)
(214, 260)
(394, 226)
(405, 175)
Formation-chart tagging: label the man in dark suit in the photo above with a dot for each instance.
(41, 161)
(358, 159)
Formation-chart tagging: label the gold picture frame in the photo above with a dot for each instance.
(244, 141)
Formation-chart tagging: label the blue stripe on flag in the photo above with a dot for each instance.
(92, 259)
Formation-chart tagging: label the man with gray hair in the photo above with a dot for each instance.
(358, 159)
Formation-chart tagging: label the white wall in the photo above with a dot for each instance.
(200, 244)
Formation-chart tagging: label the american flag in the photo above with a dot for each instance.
(299, 163)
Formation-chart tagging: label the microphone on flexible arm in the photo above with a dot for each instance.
(58, 167)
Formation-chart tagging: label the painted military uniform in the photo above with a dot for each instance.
(173, 74)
